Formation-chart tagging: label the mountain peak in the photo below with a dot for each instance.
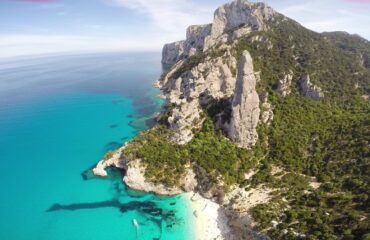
(231, 21)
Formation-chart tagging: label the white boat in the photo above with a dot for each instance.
(136, 224)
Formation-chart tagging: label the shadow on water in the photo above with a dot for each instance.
(87, 174)
(80, 206)
(124, 138)
(111, 146)
(159, 215)
(148, 209)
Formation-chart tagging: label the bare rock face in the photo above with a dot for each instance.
(238, 202)
(136, 180)
(117, 160)
(284, 85)
(183, 119)
(245, 105)
(210, 79)
(236, 15)
(195, 35)
(231, 21)
(267, 115)
(308, 89)
(172, 52)
(216, 77)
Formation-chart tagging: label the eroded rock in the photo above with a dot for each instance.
(135, 179)
(245, 105)
(284, 84)
(308, 89)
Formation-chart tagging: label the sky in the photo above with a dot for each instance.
(30, 27)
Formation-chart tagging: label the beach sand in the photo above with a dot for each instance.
(209, 221)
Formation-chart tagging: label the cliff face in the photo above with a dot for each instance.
(245, 105)
(238, 18)
(231, 21)
(195, 37)
(216, 76)
(253, 70)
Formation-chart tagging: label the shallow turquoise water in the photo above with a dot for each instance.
(58, 116)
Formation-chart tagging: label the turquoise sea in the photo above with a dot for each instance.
(58, 117)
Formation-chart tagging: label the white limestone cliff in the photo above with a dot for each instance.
(308, 89)
(189, 92)
(245, 105)
(117, 160)
(213, 78)
(284, 84)
(172, 52)
(231, 21)
(238, 14)
(135, 179)
(176, 51)
(267, 114)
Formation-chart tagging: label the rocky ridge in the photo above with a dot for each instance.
(191, 92)
(212, 77)
(218, 76)
(134, 175)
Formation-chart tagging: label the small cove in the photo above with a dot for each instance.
(58, 117)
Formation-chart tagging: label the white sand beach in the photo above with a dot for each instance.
(209, 221)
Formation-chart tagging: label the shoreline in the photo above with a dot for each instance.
(206, 217)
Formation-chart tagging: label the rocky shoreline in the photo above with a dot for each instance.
(223, 217)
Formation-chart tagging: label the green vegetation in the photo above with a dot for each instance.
(303, 51)
(209, 149)
(331, 143)
(189, 64)
(194, 60)
(326, 140)
(353, 44)
(108, 155)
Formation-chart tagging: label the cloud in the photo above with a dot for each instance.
(16, 45)
(330, 15)
(172, 17)
(37, 1)
(358, 1)
(61, 13)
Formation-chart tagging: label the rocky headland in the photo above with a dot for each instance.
(228, 72)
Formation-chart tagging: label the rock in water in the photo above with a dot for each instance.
(245, 105)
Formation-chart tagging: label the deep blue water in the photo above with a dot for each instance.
(58, 117)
